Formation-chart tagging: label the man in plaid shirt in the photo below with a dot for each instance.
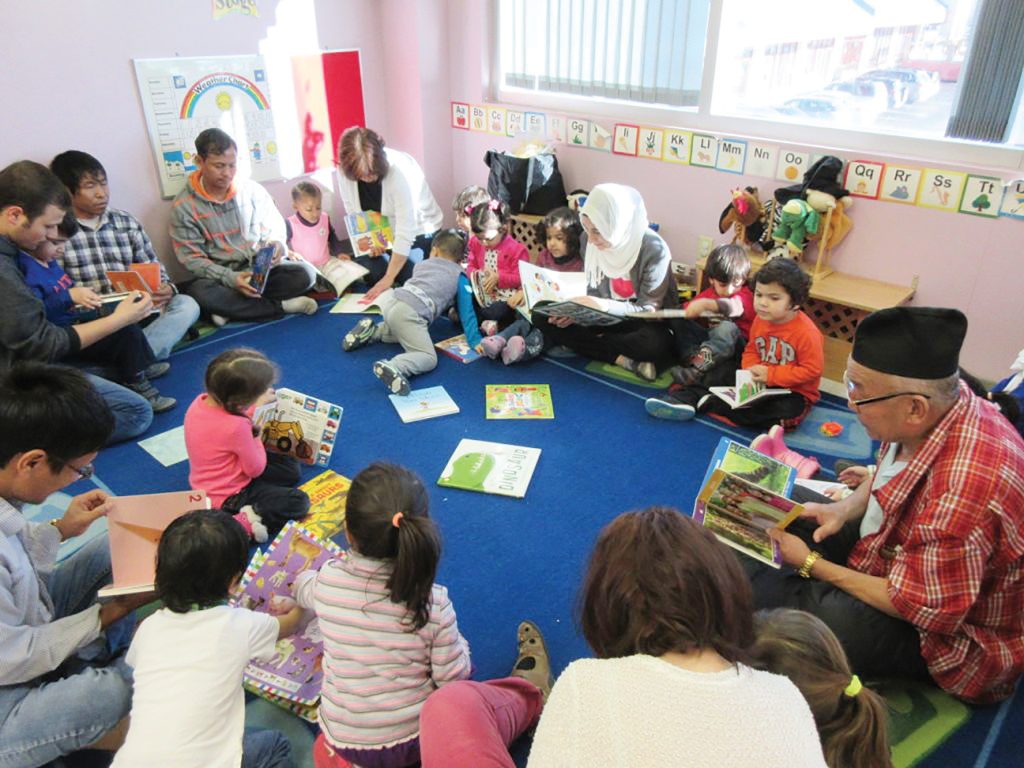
(111, 239)
(920, 572)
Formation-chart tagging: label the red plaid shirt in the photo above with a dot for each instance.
(952, 548)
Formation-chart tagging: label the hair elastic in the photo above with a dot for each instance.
(494, 204)
(853, 688)
(397, 519)
(468, 209)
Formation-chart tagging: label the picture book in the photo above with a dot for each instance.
(476, 282)
(138, 277)
(295, 673)
(421, 404)
(262, 262)
(351, 304)
(746, 391)
(581, 314)
(135, 524)
(458, 348)
(300, 426)
(486, 467)
(548, 285)
(746, 463)
(341, 273)
(740, 513)
(367, 229)
(327, 493)
(519, 401)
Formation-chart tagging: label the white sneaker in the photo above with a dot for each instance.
(300, 305)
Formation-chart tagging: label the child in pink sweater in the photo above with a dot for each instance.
(496, 255)
(226, 456)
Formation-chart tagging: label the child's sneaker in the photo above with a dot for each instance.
(159, 403)
(702, 360)
(675, 405)
(514, 351)
(684, 375)
(489, 327)
(534, 343)
(392, 378)
(493, 346)
(362, 333)
(252, 523)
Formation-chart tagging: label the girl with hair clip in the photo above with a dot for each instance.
(463, 204)
(390, 634)
(495, 254)
(851, 719)
(226, 455)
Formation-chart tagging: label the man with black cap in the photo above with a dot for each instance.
(920, 573)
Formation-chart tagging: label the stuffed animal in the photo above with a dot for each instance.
(745, 215)
(797, 222)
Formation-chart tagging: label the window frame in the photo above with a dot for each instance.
(826, 139)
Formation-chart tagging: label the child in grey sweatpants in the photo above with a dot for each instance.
(408, 312)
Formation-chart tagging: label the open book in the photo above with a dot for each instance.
(262, 263)
(351, 304)
(548, 285)
(299, 425)
(746, 391)
(367, 229)
(135, 525)
(138, 277)
(341, 273)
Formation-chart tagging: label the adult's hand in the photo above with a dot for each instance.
(82, 511)
(829, 518)
(85, 297)
(379, 287)
(516, 298)
(792, 548)
(135, 307)
(243, 285)
(561, 322)
(121, 606)
(163, 295)
(376, 251)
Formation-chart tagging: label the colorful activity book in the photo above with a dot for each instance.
(135, 525)
(746, 391)
(300, 426)
(138, 277)
(548, 285)
(351, 304)
(458, 348)
(740, 513)
(293, 677)
(262, 262)
(421, 404)
(367, 229)
(486, 467)
(327, 493)
(746, 463)
(519, 401)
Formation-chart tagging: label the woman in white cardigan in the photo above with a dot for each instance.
(373, 177)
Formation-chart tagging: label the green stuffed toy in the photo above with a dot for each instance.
(798, 220)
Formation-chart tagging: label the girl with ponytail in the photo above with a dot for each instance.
(390, 634)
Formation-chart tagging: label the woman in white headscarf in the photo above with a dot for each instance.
(629, 270)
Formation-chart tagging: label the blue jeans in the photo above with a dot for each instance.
(266, 749)
(72, 707)
(132, 412)
(166, 331)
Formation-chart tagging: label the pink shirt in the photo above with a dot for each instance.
(223, 455)
(310, 242)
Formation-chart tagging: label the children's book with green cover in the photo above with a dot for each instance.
(519, 401)
(746, 391)
(743, 461)
(486, 467)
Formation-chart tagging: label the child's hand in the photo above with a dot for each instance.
(851, 477)
(479, 349)
(759, 373)
(85, 297)
(280, 605)
(490, 281)
(516, 299)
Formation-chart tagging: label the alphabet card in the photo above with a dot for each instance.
(477, 118)
(983, 196)
(900, 184)
(677, 146)
(705, 150)
(536, 123)
(626, 137)
(792, 165)
(556, 128)
(762, 160)
(600, 138)
(650, 143)
(732, 155)
(460, 115)
(1013, 200)
(496, 120)
(941, 189)
(578, 132)
(864, 178)
(513, 123)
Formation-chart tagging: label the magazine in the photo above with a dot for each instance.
(367, 229)
(352, 304)
(519, 401)
(327, 493)
(262, 263)
(744, 462)
(421, 404)
(135, 525)
(746, 391)
(295, 674)
(300, 426)
(486, 467)
(740, 513)
(458, 348)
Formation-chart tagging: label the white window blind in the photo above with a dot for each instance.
(649, 51)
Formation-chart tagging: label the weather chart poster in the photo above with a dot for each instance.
(182, 97)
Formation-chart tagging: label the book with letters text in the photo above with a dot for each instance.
(477, 465)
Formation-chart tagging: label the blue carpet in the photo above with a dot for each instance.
(504, 559)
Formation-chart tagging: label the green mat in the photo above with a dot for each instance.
(921, 718)
(621, 374)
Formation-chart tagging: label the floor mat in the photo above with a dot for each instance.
(852, 443)
(921, 718)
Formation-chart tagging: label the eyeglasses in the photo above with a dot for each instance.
(878, 399)
(85, 471)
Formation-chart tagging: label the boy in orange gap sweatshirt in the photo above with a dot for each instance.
(785, 350)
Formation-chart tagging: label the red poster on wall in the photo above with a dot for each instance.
(328, 99)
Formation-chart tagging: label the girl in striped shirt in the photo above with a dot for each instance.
(390, 634)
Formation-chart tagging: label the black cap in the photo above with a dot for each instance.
(915, 342)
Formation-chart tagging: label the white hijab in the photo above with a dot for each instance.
(619, 214)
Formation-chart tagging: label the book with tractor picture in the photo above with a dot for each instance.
(746, 391)
(518, 401)
(486, 467)
(740, 513)
(744, 462)
(327, 493)
(367, 230)
(299, 425)
(293, 677)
